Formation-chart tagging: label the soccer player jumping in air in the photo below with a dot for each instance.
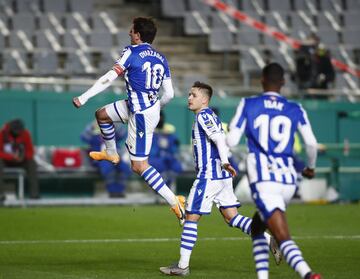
(270, 122)
(213, 182)
(145, 70)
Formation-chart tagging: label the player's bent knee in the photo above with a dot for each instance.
(101, 115)
(139, 166)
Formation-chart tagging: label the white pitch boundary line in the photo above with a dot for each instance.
(130, 240)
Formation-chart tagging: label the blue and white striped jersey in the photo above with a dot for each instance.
(206, 155)
(270, 122)
(144, 71)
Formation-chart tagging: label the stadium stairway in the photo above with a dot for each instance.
(188, 56)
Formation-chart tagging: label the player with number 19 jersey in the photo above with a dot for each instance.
(144, 71)
(270, 122)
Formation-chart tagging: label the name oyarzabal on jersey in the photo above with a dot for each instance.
(144, 71)
(206, 155)
(150, 52)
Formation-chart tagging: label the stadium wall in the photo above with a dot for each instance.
(53, 120)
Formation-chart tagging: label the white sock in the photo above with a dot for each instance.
(188, 240)
(294, 257)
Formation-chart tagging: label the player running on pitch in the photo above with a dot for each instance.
(213, 182)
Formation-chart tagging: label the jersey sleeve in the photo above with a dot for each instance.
(237, 125)
(123, 62)
(167, 73)
(208, 123)
(307, 134)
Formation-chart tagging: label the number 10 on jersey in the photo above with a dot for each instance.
(154, 75)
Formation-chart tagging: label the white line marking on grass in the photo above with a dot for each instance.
(130, 240)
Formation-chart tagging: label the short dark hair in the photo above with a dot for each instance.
(205, 87)
(273, 74)
(146, 26)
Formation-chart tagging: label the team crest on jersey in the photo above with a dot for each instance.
(209, 124)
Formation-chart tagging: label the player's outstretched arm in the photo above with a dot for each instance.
(76, 102)
(100, 85)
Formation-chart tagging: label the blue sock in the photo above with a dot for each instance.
(241, 222)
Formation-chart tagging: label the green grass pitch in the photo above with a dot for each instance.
(133, 242)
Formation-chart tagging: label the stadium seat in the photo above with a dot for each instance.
(15, 62)
(248, 66)
(340, 81)
(75, 39)
(351, 37)
(279, 22)
(122, 40)
(104, 62)
(78, 21)
(198, 5)
(24, 21)
(221, 40)
(43, 40)
(328, 36)
(248, 6)
(254, 15)
(297, 23)
(2, 42)
(351, 19)
(78, 63)
(45, 62)
(27, 6)
(172, 8)
(328, 5)
(21, 40)
(58, 6)
(278, 57)
(279, 5)
(46, 23)
(301, 5)
(190, 78)
(83, 6)
(98, 24)
(216, 20)
(191, 23)
(101, 39)
(247, 38)
(352, 5)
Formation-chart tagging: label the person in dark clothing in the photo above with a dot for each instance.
(17, 150)
(304, 67)
(324, 70)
